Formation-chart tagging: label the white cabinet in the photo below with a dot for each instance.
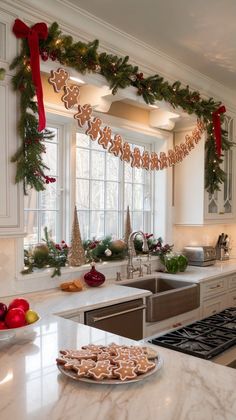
(11, 196)
(192, 204)
(214, 305)
(218, 294)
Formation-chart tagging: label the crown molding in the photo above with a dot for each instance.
(81, 24)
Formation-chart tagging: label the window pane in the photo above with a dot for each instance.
(83, 217)
(82, 140)
(98, 165)
(128, 196)
(128, 172)
(82, 194)
(111, 222)
(112, 167)
(111, 195)
(48, 198)
(138, 175)
(50, 158)
(31, 200)
(82, 163)
(137, 223)
(48, 219)
(138, 197)
(31, 227)
(97, 224)
(97, 195)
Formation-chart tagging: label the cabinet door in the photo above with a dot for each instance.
(11, 214)
(213, 306)
(220, 205)
(8, 42)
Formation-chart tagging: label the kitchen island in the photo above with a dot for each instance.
(32, 388)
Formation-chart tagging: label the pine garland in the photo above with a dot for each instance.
(119, 73)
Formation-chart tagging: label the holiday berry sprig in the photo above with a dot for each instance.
(84, 57)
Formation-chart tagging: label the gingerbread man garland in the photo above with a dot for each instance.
(105, 137)
(84, 114)
(94, 128)
(116, 145)
(163, 160)
(154, 162)
(58, 79)
(71, 96)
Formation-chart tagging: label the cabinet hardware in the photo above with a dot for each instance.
(221, 212)
(234, 298)
(101, 318)
(214, 287)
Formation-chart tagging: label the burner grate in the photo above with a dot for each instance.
(206, 338)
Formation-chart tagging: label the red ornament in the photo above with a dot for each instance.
(15, 318)
(19, 303)
(44, 55)
(3, 310)
(53, 55)
(93, 278)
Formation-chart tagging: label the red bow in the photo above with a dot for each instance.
(38, 31)
(217, 127)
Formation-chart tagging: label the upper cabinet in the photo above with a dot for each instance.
(192, 204)
(11, 215)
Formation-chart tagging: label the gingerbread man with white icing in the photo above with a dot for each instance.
(116, 145)
(84, 114)
(154, 161)
(126, 152)
(145, 159)
(136, 158)
(163, 160)
(105, 137)
(58, 79)
(71, 96)
(94, 128)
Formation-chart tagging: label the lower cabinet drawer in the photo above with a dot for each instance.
(212, 306)
(232, 299)
(214, 287)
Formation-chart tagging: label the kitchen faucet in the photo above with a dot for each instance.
(130, 267)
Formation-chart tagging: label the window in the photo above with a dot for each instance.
(101, 185)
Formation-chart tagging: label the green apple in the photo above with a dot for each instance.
(31, 316)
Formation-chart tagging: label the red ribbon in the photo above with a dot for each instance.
(38, 31)
(217, 127)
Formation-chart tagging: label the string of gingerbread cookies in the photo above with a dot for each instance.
(115, 144)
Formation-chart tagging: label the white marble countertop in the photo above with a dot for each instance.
(32, 388)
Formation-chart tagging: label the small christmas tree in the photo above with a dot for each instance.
(76, 256)
(128, 228)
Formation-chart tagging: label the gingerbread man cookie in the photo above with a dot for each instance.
(84, 114)
(171, 157)
(143, 365)
(83, 368)
(163, 160)
(136, 158)
(200, 125)
(58, 79)
(116, 145)
(154, 162)
(125, 371)
(105, 137)
(184, 149)
(189, 142)
(71, 96)
(126, 152)
(101, 370)
(178, 154)
(94, 128)
(145, 159)
(196, 135)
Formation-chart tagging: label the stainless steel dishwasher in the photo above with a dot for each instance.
(125, 319)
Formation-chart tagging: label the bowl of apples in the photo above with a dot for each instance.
(17, 316)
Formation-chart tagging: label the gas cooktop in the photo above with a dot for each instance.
(205, 338)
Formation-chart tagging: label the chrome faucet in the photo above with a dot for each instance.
(130, 267)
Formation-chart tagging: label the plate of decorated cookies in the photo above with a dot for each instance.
(111, 364)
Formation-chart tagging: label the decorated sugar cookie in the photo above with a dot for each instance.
(105, 137)
(84, 114)
(58, 79)
(71, 96)
(94, 128)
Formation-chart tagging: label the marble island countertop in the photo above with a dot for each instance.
(32, 388)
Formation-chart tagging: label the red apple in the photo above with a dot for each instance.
(19, 303)
(15, 318)
(3, 310)
(3, 325)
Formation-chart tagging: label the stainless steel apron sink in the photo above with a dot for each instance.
(169, 297)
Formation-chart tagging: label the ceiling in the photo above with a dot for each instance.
(199, 33)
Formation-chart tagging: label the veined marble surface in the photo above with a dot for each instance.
(32, 388)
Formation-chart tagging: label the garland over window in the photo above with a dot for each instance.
(119, 73)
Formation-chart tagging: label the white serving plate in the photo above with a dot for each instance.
(70, 374)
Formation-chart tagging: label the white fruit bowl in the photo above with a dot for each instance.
(10, 332)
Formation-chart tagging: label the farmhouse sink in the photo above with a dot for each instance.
(169, 297)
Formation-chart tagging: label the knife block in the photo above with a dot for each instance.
(222, 253)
